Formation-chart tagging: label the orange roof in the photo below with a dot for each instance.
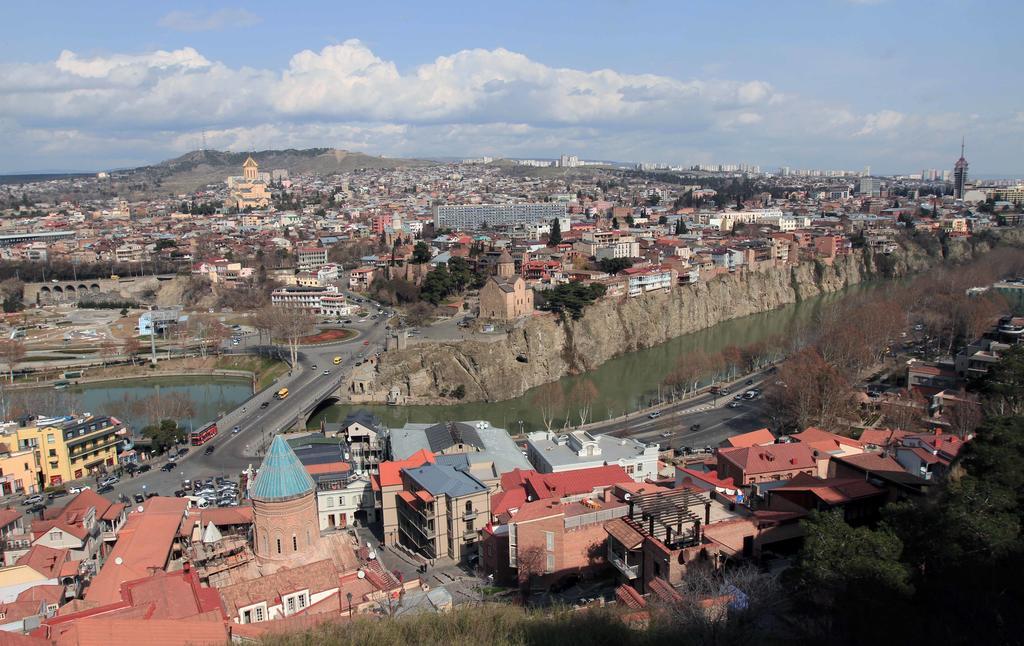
(761, 436)
(48, 561)
(101, 631)
(143, 546)
(330, 467)
(825, 441)
(390, 473)
(768, 459)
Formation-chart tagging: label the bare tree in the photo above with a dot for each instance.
(583, 395)
(11, 352)
(549, 400)
(290, 325)
(132, 347)
(964, 415)
(810, 392)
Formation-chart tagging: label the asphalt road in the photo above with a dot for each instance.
(257, 426)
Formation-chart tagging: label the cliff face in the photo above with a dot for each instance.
(491, 371)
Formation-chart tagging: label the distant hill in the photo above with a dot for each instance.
(198, 168)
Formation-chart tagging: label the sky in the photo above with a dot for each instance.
(891, 84)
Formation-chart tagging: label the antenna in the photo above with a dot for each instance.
(963, 141)
(204, 140)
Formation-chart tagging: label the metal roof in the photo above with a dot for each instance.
(281, 475)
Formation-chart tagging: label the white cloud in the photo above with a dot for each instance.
(209, 21)
(475, 101)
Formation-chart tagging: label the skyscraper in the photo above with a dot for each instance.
(960, 174)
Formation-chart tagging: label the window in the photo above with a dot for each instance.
(279, 546)
(53, 453)
(55, 535)
(291, 605)
(258, 613)
(295, 543)
(469, 527)
(302, 600)
(247, 616)
(550, 565)
(49, 438)
(341, 501)
(469, 506)
(549, 539)
(512, 562)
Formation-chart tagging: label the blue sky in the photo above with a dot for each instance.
(809, 83)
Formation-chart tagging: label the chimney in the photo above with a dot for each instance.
(707, 512)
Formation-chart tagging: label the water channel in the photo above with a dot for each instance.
(625, 383)
(209, 396)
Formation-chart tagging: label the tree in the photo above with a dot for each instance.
(615, 222)
(555, 237)
(614, 265)
(108, 350)
(1004, 386)
(164, 434)
(810, 392)
(549, 399)
(583, 395)
(132, 347)
(421, 253)
(680, 227)
(11, 352)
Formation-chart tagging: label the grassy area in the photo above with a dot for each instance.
(493, 625)
(266, 369)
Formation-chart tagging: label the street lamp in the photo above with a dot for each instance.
(348, 595)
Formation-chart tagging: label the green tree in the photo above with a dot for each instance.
(164, 435)
(555, 237)
(680, 227)
(437, 285)
(421, 253)
(614, 265)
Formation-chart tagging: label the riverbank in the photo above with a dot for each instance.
(545, 348)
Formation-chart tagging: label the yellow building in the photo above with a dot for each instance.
(19, 469)
(69, 450)
(250, 190)
(505, 297)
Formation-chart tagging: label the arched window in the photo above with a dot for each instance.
(295, 543)
(469, 506)
(279, 546)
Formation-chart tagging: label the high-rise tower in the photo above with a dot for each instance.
(960, 174)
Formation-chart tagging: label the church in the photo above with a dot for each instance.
(250, 190)
(506, 296)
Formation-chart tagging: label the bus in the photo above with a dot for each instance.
(281, 394)
(204, 434)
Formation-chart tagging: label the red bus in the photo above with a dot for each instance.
(205, 434)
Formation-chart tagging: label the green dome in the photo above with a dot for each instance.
(281, 476)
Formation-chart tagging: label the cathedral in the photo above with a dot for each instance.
(506, 296)
(250, 190)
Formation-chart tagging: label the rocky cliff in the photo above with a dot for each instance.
(546, 348)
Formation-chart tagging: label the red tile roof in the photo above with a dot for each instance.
(390, 473)
(519, 484)
(769, 459)
(824, 441)
(45, 560)
(881, 436)
(832, 491)
(8, 516)
(754, 438)
(102, 631)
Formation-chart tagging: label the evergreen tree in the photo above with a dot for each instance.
(555, 237)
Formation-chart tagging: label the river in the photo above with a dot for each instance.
(625, 383)
(210, 396)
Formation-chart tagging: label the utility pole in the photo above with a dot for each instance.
(152, 337)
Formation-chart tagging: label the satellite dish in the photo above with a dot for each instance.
(141, 509)
(371, 555)
(119, 561)
(361, 574)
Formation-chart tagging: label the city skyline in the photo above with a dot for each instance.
(639, 82)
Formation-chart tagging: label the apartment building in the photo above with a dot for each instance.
(314, 299)
(442, 510)
(69, 448)
(644, 280)
(310, 258)
(477, 216)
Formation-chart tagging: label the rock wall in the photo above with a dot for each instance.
(554, 348)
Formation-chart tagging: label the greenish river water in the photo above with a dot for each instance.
(625, 383)
(210, 396)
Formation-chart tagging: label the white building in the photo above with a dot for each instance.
(551, 452)
(645, 280)
(476, 216)
(338, 501)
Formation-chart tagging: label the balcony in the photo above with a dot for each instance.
(470, 514)
(621, 562)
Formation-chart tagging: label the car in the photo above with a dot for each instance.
(172, 458)
(750, 382)
(104, 489)
(35, 509)
(235, 341)
(347, 321)
(236, 429)
(209, 450)
(180, 493)
(327, 372)
(723, 391)
(666, 434)
(655, 415)
(139, 498)
(59, 493)
(182, 451)
(144, 468)
(749, 395)
(336, 360)
(366, 343)
(313, 367)
(264, 404)
(131, 467)
(78, 489)
(733, 404)
(109, 480)
(738, 396)
(32, 500)
(170, 466)
(694, 427)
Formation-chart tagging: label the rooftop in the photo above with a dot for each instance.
(281, 476)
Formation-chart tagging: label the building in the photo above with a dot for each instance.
(751, 465)
(478, 216)
(551, 452)
(250, 190)
(442, 510)
(643, 280)
(387, 483)
(960, 175)
(315, 299)
(285, 522)
(343, 495)
(489, 449)
(311, 258)
(156, 321)
(69, 448)
(359, 279)
(505, 296)
(870, 186)
(19, 469)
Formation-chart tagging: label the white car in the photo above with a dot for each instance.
(78, 489)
